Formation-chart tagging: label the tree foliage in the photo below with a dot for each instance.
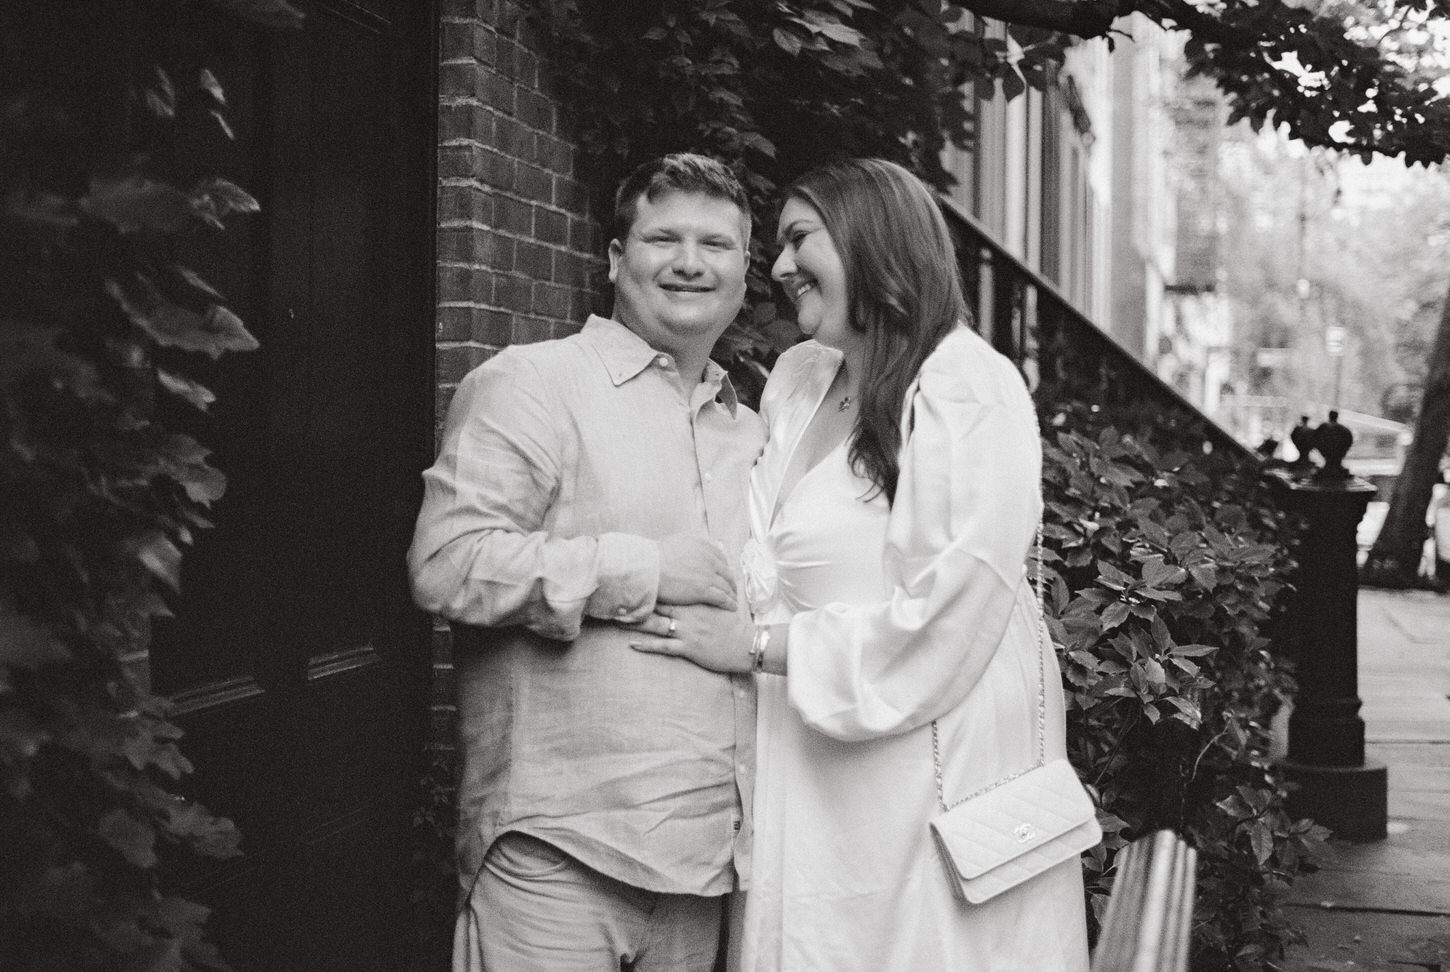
(1372, 244)
(778, 86)
(109, 122)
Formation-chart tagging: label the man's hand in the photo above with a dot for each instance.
(694, 570)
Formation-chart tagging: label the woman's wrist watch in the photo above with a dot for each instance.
(758, 645)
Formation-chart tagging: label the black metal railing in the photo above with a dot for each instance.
(1030, 321)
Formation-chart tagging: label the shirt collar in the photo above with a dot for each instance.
(625, 355)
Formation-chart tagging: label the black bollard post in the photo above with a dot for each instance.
(1338, 788)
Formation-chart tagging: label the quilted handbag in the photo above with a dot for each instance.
(1021, 825)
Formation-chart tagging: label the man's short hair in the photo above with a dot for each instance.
(678, 172)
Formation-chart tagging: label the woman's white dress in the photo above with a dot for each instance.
(898, 616)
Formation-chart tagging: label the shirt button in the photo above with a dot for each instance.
(740, 768)
(740, 693)
(709, 477)
(622, 612)
(662, 361)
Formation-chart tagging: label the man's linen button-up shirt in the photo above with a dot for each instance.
(561, 465)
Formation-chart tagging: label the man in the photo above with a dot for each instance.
(605, 794)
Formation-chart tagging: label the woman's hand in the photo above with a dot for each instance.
(710, 637)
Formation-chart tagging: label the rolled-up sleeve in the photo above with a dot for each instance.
(966, 509)
(480, 553)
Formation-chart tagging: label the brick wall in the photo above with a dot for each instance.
(519, 255)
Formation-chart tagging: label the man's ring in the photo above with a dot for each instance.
(670, 631)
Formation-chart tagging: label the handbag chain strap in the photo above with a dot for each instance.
(941, 798)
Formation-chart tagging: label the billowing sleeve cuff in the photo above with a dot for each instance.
(629, 578)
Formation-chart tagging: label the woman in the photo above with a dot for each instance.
(893, 513)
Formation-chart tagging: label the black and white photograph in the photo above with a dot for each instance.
(724, 485)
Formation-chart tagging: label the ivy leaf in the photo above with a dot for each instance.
(207, 82)
(1205, 575)
(1258, 800)
(1182, 544)
(1187, 710)
(214, 331)
(223, 124)
(206, 834)
(160, 94)
(1261, 838)
(203, 484)
(193, 281)
(1153, 671)
(216, 199)
(840, 33)
(134, 203)
(1112, 577)
(787, 41)
(1114, 615)
(132, 838)
(1235, 807)
(159, 555)
(1156, 573)
(759, 143)
(1183, 665)
(185, 389)
(142, 750)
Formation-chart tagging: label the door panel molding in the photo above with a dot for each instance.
(356, 13)
(211, 696)
(336, 663)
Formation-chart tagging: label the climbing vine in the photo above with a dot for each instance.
(112, 132)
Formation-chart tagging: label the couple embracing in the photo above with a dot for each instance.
(700, 651)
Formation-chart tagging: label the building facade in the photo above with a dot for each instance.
(1107, 186)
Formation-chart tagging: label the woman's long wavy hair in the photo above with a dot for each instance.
(902, 290)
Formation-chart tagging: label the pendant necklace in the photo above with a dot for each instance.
(845, 404)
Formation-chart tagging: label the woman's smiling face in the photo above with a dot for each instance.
(810, 269)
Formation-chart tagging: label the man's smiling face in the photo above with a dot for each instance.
(679, 275)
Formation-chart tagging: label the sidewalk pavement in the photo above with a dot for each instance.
(1385, 906)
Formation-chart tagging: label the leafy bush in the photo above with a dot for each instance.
(104, 110)
(1166, 567)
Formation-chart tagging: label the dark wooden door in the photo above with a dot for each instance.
(299, 665)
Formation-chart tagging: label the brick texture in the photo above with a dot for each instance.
(520, 256)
